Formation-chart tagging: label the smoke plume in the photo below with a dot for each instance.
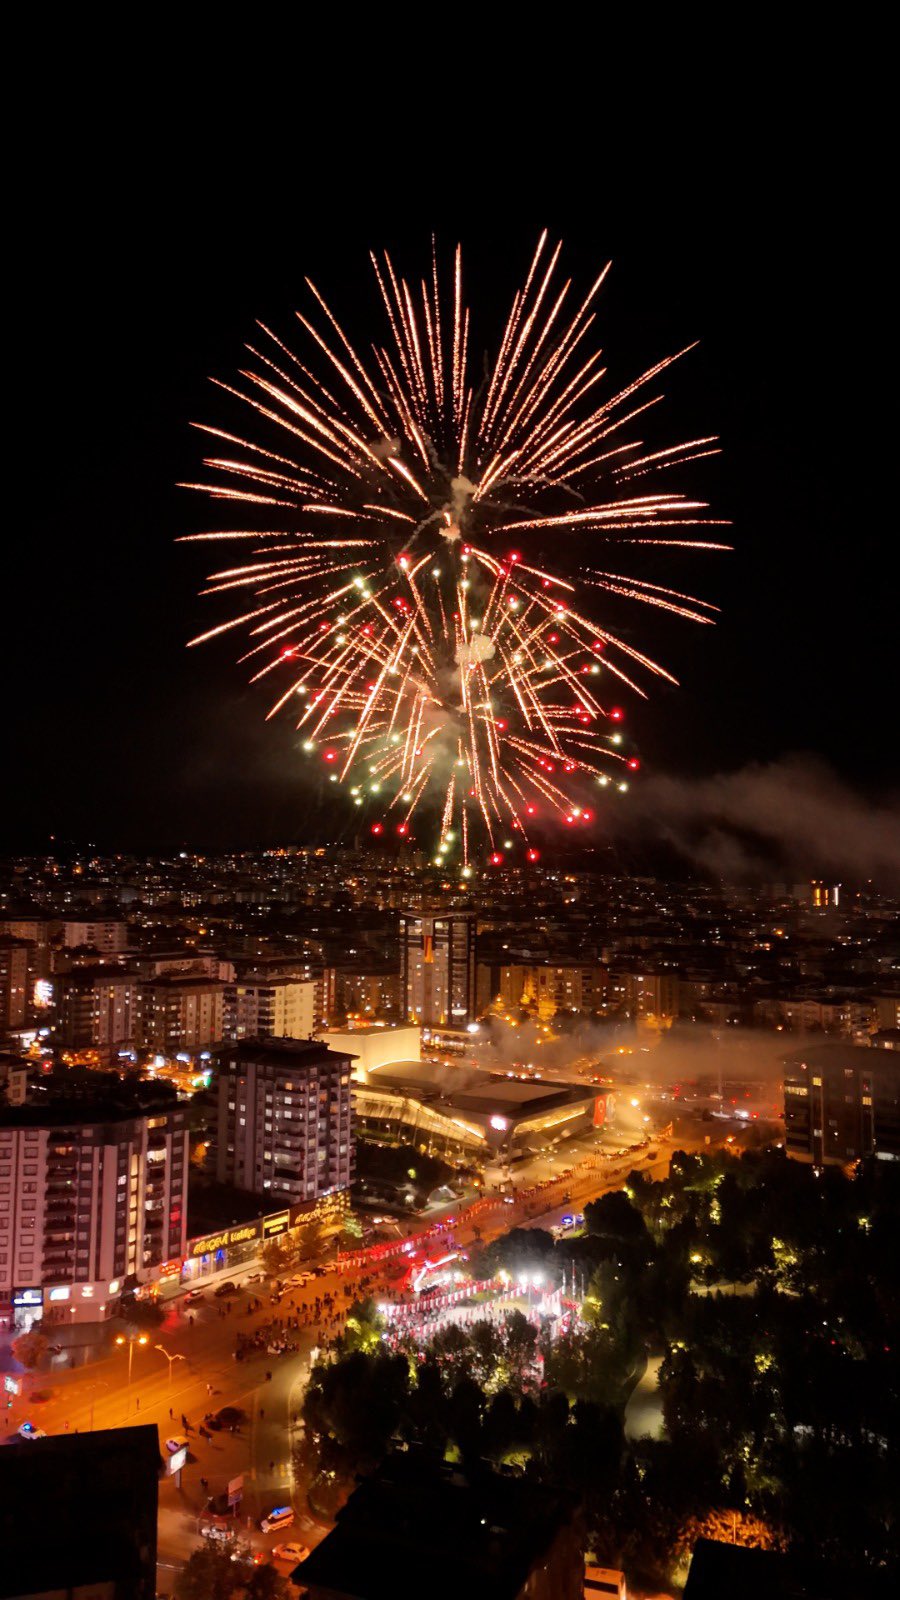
(794, 814)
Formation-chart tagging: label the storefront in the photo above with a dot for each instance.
(238, 1246)
(73, 1303)
(27, 1309)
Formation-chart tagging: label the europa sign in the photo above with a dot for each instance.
(244, 1233)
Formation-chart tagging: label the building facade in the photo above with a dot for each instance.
(109, 935)
(13, 983)
(89, 1198)
(437, 969)
(284, 1123)
(183, 1014)
(280, 1008)
(99, 1008)
(842, 1103)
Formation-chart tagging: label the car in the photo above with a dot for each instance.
(290, 1552)
(192, 1295)
(278, 1517)
(30, 1430)
(178, 1441)
(255, 1277)
(228, 1419)
(228, 1287)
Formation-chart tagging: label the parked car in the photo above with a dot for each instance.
(294, 1553)
(192, 1295)
(226, 1288)
(178, 1441)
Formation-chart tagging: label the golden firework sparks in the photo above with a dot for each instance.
(429, 661)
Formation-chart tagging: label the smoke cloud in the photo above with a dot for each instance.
(794, 814)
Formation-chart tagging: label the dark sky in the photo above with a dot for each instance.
(133, 293)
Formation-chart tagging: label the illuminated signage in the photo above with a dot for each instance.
(177, 1461)
(242, 1234)
(60, 1294)
(28, 1297)
(113, 1288)
(278, 1223)
(11, 1385)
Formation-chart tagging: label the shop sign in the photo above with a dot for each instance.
(28, 1297)
(243, 1233)
(277, 1223)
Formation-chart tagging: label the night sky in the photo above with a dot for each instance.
(132, 296)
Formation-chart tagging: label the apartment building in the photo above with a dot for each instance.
(281, 1008)
(89, 1196)
(284, 1122)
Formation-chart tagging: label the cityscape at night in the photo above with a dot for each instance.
(449, 910)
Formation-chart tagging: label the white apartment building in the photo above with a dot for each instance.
(284, 1119)
(107, 934)
(280, 1008)
(90, 1196)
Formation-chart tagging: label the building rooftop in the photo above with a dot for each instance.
(413, 1529)
(280, 1052)
(99, 1491)
(838, 1055)
(733, 1572)
(77, 1113)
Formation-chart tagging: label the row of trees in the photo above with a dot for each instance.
(773, 1297)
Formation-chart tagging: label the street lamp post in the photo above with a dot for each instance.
(131, 1340)
(170, 1358)
(93, 1398)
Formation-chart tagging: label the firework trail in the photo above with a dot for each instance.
(432, 656)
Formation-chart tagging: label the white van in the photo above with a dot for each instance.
(281, 1517)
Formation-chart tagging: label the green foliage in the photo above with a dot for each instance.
(363, 1328)
(310, 1239)
(522, 1253)
(773, 1297)
(279, 1256)
(384, 1166)
(211, 1574)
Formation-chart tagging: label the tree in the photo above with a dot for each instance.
(614, 1217)
(278, 1256)
(363, 1328)
(213, 1573)
(310, 1240)
(30, 1348)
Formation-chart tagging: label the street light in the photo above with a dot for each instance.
(93, 1398)
(164, 1352)
(131, 1341)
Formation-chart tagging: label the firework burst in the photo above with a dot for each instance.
(432, 655)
